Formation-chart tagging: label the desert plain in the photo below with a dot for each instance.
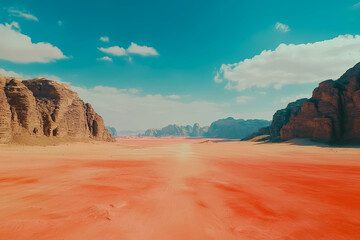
(176, 188)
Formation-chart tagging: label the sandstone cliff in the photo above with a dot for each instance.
(332, 114)
(282, 117)
(45, 108)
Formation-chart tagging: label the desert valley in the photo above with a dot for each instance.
(179, 120)
(177, 187)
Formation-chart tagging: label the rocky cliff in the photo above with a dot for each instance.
(282, 117)
(41, 107)
(332, 114)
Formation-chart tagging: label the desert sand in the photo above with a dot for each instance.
(166, 189)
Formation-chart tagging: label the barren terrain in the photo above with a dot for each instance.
(175, 188)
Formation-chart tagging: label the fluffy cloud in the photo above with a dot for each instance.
(115, 50)
(282, 27)
(142, 50)
(126, 109)
(104, 39)
(10, 73)
(18, 47)
(293, 64)
(243, 99)
(106, 58)
(133, 49)
(28, 16)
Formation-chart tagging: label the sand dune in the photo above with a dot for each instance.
(179, 189)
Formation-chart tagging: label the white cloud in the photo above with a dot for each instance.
(293, 64)
(104, 39)
(282, 27)
(115, 50)
(10, 73)
(18, 47)
(243, 99)
(133, 49)
(105, 58)
(142, 50)
(126, 110)
(174, 96)
(28, 16)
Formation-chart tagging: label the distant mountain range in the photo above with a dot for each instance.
(177, 131)
(223, 128)
(235, 129)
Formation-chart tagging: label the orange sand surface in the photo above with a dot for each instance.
(179, 189)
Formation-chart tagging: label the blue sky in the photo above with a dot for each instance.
(173, 73)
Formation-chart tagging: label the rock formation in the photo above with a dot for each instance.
(41, 107)
(332, 114)
(282, 117)
(176, 131)
(235, 129)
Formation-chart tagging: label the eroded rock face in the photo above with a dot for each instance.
(282, 117)
(41, 107)
(332, 114)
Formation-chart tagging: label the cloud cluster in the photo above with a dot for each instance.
(281, 27)
(27, 16)
(132, 49)
(293, 64)
(115, 50)
(18, 47)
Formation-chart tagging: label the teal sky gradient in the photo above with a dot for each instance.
(193, 39)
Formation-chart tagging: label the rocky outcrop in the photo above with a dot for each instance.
(176, 131)
(198, 131)
(235, 129)
(332, 114)
(282, 117)
(41, 107)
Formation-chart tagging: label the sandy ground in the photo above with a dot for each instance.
(179, 189)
